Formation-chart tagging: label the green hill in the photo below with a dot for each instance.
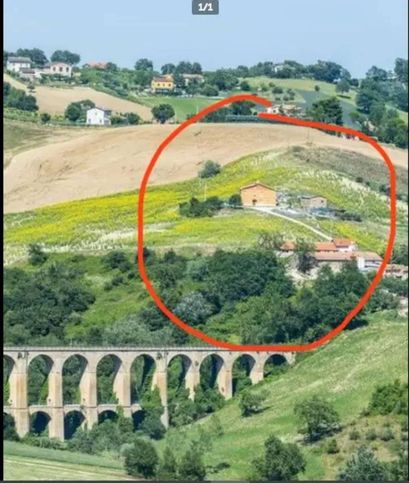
(22, 462)
(345, 371)
(101, 224)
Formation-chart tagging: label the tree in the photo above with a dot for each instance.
(153, 426)
(327, 110)
(389, 398)
(280, 461)
(36, 255)
(142, 459)
(377, 74)
(245, 86)
(144, 65)
(191, 467)
(364, 466)
(401, 70)
(73, 112)
(194, 308)
(65, 56)
(168, 68)
(45, 117)
(251, 403)
(317, 417)
(235, 201)
(163, 112)
(210, 169)
(168, 469)
(305, 259)
(37, 56)
(316, 88)
(342, 86)
(133, 118)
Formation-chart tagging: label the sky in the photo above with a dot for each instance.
(355, 33)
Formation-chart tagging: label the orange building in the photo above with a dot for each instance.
(162, 84)
(258, 194)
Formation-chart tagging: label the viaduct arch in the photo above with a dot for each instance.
(20, 357)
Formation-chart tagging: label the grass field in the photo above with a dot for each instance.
(22, 462)
(345, 371)
(100, 224)
(183, 106)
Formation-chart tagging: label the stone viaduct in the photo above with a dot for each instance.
(20, 358)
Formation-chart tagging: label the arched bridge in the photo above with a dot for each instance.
(54, 407)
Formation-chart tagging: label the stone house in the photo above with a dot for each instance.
(258, 194)
(313, 202)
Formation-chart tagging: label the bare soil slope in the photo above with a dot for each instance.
(113, 160)
(54, 100)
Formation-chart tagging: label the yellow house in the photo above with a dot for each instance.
(162, 83)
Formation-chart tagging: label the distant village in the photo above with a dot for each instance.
(334, 252)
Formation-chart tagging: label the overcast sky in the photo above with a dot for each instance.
(354, 33)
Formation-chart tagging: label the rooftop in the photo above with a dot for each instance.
(19, 59)
(257, 183)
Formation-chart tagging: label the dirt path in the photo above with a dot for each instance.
(268, 211)
(114, 160)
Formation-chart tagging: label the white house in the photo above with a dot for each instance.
(15, 64)
(58, 68)
(98, 116)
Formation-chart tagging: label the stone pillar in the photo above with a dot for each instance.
(192, 378)
(160, 380)
(55, 400)
(225, 380)
(122, 387)
(88, 391)
(257, 371)
(18, 394)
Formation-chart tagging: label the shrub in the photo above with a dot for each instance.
(251, 403)
(235, 201)
(191, 466)
(389, 398)
(153, 426)
(142, 459)
(364, 466)
(117, 259)
(45, 117)
(210, 169)
(36, 256)
(317, 417)
(386, 434)
(354, 435)
(281, 461)
(332, 446)
(371, 435)
(168, 469)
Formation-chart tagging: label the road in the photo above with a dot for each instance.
(268, 211)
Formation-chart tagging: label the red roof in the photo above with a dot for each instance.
(325, 247)
(343, 242)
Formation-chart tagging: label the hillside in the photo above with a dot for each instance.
(345, 371)
(21, 136)
(54, 100)
(105, 223)
(112, 161)
(24, 462)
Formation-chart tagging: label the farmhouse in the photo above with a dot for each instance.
(312, 202)
(258, 194)
(16, 64)
(193, 78)
(337, 245)
(98, 116)
(162, 84)
(58, 68)
(366, 261)
(96, 65)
